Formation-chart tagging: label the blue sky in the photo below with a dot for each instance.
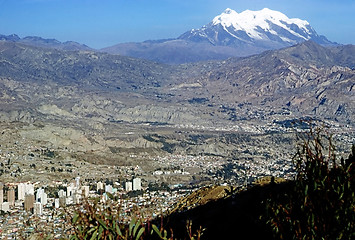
(102, 23)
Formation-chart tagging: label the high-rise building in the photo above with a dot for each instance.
(39, 193)
(77, 197)
(108, 188)
(41, 196)
(21, 191)
(29, 189)
(56, 203)
(44, 199)
(69, 191)
(128, 186)
(137, 184)
(1, 193)
(85, 190)
(61, 193)
(29, 202)
(37, 208)
(77, 182)
(62, 201)
(11, 196)
(99, 186)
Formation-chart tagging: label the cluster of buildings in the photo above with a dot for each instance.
(177, 164)
(26, 197)
(134, 185)
(25, 194)
(42, 205)
(34, 201)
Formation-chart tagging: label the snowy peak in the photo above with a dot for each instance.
(226, 17)
(266, 29)
(252, 21)
(229, 34)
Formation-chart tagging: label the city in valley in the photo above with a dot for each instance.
(211, 119)
(41, 180)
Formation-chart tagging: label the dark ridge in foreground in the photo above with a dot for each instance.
(234, 217)
(318, 204)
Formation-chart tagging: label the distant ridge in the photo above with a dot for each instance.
(46, 43)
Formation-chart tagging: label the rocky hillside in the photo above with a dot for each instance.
(306, 79)
(109, 109)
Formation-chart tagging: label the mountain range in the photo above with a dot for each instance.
(108, 108)
(103, 108)
(305, 79)
(46, 43)
(228, 35)
(41, 81)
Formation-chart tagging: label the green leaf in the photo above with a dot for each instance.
(118, 231)
(136, 227)
(141, 231)
(75, 218)
(94, 235)
(156, 230)
(101, 230)
(73, 237)
(91, 230)
(114, 225)
(102, 223)
(131, 224)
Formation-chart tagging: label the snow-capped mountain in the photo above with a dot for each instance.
(265, 28)
(229, 34)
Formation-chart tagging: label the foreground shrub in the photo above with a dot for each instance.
(92, 220)
(321, 204)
